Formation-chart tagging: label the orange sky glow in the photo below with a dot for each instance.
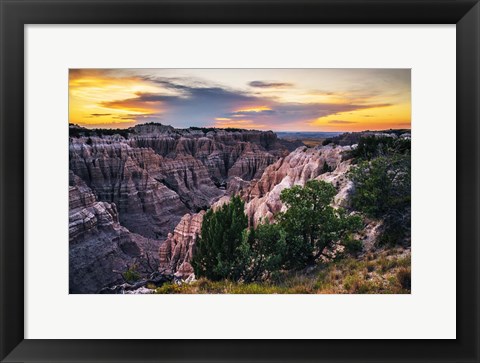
(264, 99)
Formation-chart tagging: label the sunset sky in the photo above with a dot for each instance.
(265, 99)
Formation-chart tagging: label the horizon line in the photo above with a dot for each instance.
(227, 128)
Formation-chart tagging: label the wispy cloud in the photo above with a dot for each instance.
(202, 104)
(269, 84)
(100, 114)
(138, 96)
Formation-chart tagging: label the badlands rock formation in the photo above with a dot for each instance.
(159, 173)
(128, 193)
(262, 197)
(177, 251)
(99, 245)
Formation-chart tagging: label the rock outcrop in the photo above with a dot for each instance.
(126, 176)
(159, 173)
(177, 251)
(262, 198)
(100, 248)
(128, 191)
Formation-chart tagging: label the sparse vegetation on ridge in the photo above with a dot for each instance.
(382, 181)
(299, 237)
(272, 257)
(313, 245)
(375, 273)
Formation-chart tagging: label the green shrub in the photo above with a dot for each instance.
(404, 278)
(169, 288)
(311, 223)
(131, 275)
(386, 264)
(217, 255)
(404, 261)
(351, 283)
(371, 147)
(326, 168)
(383, 191)
(353, 246)
(262, 251)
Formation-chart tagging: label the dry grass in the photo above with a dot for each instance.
(312, 142)
(380, 273)
(404, 277)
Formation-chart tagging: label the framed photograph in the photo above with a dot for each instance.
(240, 181)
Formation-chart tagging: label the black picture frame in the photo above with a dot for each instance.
(15, 14)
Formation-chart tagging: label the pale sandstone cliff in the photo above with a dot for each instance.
(262, 197)
(177, 251)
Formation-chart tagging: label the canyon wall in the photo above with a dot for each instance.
(130, 194)
(160, 173)
(100, 248)
(262, 197)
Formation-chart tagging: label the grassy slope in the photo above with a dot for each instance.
(382, 272)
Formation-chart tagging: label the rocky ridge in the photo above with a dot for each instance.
(127, 193)
(262, 199)
(177, 251)
(159, 173)
(100, 247)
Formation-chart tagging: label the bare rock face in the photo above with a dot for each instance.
(159, 173)
(190, 180)
(339, 179)
(177, 251)
(86, 213)
(236, 185)
(370, 234)
(223, 153)
(125, 176)
(263, 196)
(128, 192)
(100, 248)
(252, 162)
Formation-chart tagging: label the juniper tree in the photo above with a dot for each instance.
(216, 254)
(312, 225)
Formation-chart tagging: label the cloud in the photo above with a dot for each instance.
(100, 114)
(193, 106)
(251, 112)
(196, 106)
(319, 92)
(269, 84)
(184, 102)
